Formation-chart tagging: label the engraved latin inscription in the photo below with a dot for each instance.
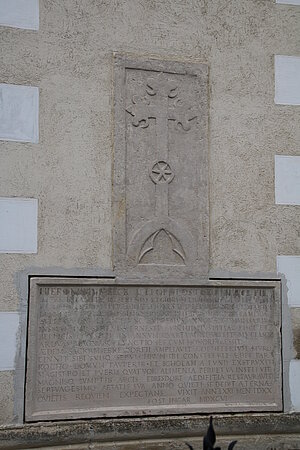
(126, 350)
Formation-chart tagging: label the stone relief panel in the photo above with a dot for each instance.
(160, 188)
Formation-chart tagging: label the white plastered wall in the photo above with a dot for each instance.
(287, 192)
(9, 324)
(20, 14)
(287, 187)
(19, 122)
(19, 113)
(287, 80)
(289, 267)
(289, 2)
(18, 225)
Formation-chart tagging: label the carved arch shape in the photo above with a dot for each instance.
(181, 240)
(149, 245)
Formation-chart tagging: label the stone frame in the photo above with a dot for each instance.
(196, 246)
(31, 415)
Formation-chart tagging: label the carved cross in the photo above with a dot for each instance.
(142, 109)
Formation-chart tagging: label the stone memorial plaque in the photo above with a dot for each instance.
(99, 349)
(160, 185)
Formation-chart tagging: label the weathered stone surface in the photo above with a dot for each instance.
(253, 431)
(277, 442)
(101, 349)
(6, 394)
(295, 316)
(161, 169)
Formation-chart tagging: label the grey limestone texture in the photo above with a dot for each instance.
(7, 397)
(295, 316)
(253, 431)
(70, 169)
(99, 348)
(160, 183)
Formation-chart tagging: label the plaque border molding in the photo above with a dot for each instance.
(35, 282)
(125, 255)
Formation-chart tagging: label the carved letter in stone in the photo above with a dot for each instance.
(161, 169)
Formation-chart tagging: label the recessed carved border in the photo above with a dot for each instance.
(260, 295)
(163, 103)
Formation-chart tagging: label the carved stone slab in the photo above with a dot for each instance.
(160, 185)
(99, 349)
